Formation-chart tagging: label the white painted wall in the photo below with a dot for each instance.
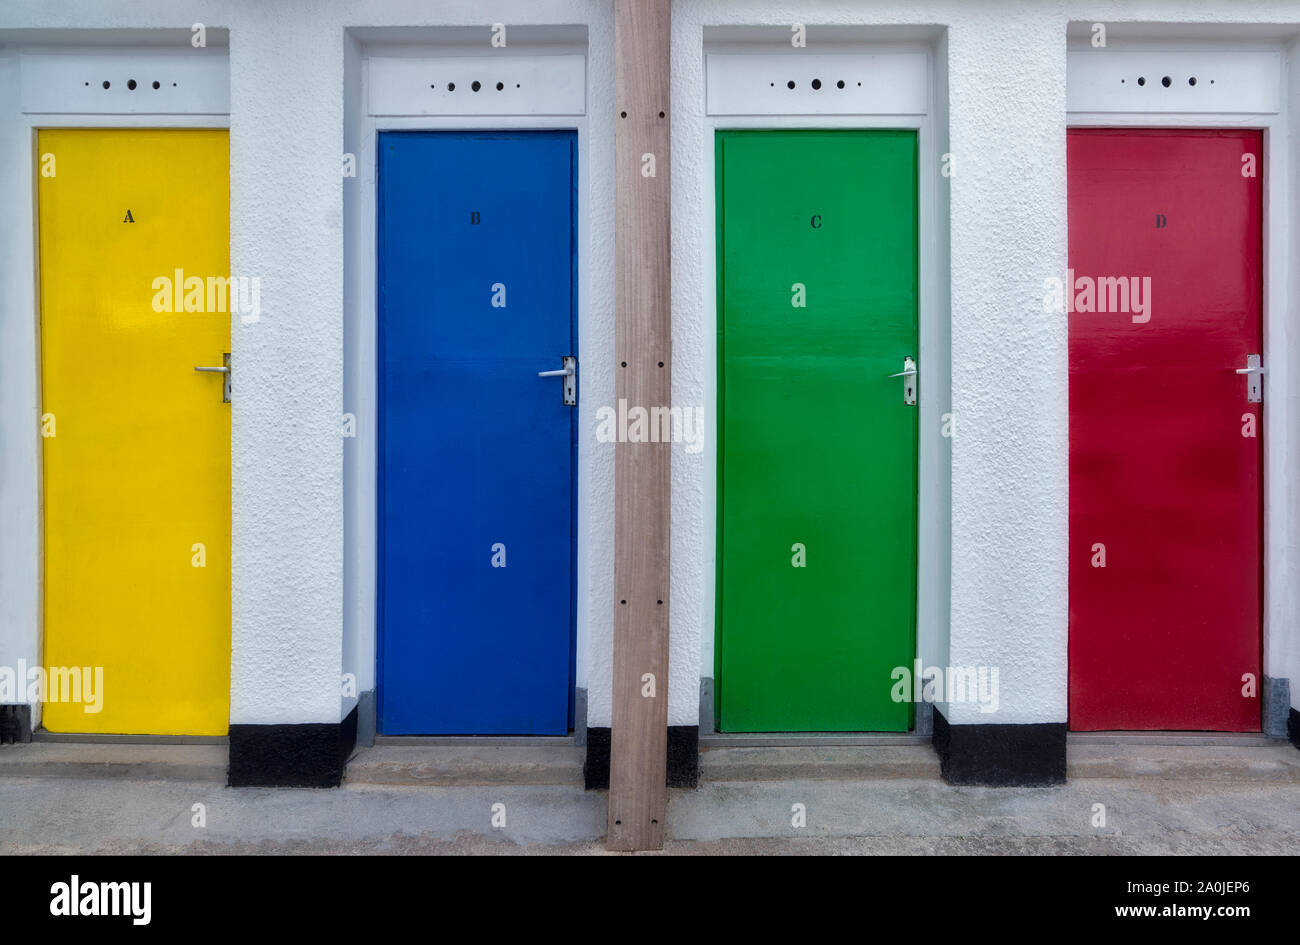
(293, 592)
(1007, 200)
(287, 209)
(1006, 74)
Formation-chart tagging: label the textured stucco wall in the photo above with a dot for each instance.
(1006, 113)
(286, 141)
(286, 226)
(1006, 88)
(1007, 118)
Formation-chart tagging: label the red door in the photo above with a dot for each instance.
(1165, 445)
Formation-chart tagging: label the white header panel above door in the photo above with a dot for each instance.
(146, 81)
(886, 83)
(478, 85)
(1135, 80)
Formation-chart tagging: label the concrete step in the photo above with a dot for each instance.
(448, 765)
(842, 763)
(114, 760)
(1275, 762)
(444, 765)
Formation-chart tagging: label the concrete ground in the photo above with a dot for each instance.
(1161, 799)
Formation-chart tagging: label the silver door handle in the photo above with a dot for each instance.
(1254, 371)
(570, 392)
(909, 384)
(224, 368)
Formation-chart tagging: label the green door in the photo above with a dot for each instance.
(817, 306)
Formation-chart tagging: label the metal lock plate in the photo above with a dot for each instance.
(1254, 371)
(908, 374)
(569, 374)
(571, 382)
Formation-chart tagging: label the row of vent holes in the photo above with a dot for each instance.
(816, 84)
(1166, 81)
(476, 85)
(131, 84)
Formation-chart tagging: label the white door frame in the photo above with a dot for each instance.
(361, 329)
(897, 109)
(1259, 89)
(204, 74)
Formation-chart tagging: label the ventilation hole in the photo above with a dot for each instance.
(661, 364)
(432, 85)
(816, 84)
(451, 86)
(839, 84)
(1192, 80)
(790, 84)
(1166, 81)
(661, 114)
(130, 84)
(516, 85)
(173, 85)
(859, 85)
(773, 84)
(1211, 82)
(1142, 80)
(618, 823)
(1121, 81)
(107, 83)
(622, 114)
(653, 821)
(476, 85)
(500, 86)
(157, 84)
(659, 602)
(622, 602)
(624, 363)
(86, 83)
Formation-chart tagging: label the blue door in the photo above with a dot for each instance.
(477, 294)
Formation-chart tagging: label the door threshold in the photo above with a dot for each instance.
(810, 739)
(467, 741)
(1221, 739)
(41, 735)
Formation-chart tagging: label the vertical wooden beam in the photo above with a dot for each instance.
(642, 342)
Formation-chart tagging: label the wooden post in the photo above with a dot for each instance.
(643, 369)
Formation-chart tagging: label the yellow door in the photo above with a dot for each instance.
(136, 442)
